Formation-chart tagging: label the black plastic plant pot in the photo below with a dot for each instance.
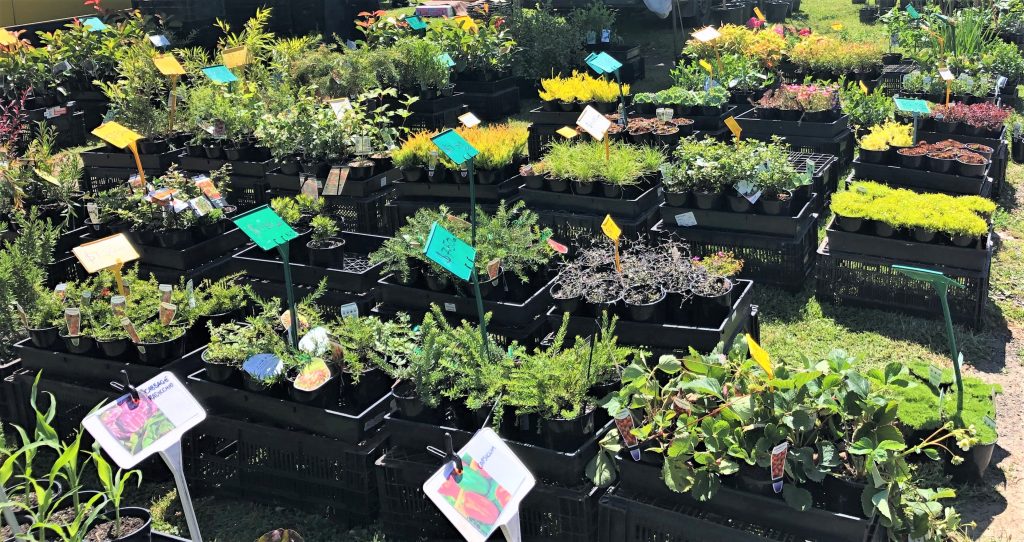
(976, 462)
(195, 151)
(558, 185)
(213, 150)
(911, 161)
(677, 199)
(373, 384)
(944, 127)
(711, 311)
(413, 174)
(487, 176)
(1017, 153)
(258, 386)
(790, 115)
(849, 223)
(843, 496)
(605, 107)
(938, 165)
(752, 480)
(290, 167)
(152, 146)
(78, 345)
(868, 15)
(670, 139)
(143, 533)
(159, 354)
(776, 12)
(411, 407)
(567, 435)
(218, 372)
(582, 188)
(923, 235)
(324, 396)
(889, 59)
(492, 289)
(738, 203)
(775, 206)
(681, 310)
(611, 190)
(100, 228)
(882, 229)
(331, 256)
(209, 231)
(534, 182)
(767, 113)
(237, 151)
(174, 238)
(360, 169)
(43, 337)
(869, 156)
(707, 200)
(970, 170)
(567, 107)
(114, 348)
(730, 14)
(708, 110)
(646, 312)
(437, 282)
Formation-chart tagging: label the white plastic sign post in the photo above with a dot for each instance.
(487, 493)
(131, 429)
(594, 123)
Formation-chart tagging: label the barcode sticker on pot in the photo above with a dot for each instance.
(686, 220)
(450, 307)
(349, 309)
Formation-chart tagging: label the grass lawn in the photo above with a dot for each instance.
(791, 324)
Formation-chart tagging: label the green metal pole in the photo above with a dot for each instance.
(953, 351)
(476, 274)
(293, 328)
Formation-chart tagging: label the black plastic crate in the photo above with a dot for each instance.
(244, 168)
(125, 160)
(96, 371)
(716, 219)
(841, 147)
(548, 513)
(758, 128)
(98, 179)
(256, 462)
(785, 262)
(631, 206)
(356, 276)
(439, 104)
(401, 208)
(449, 118)
(11, 398)
(826, 170)
(871, 282)
(352, 188)
(331, 300)
(665, 338)
(571, 225)
(361, 214)
(910, 252)
(194, 256)
(485, 193)
(528, 335)
(74, 402)
(65, 268)
(892, 77)
(493, 106)
(920, 180)
(627, 517)
(503, 313)
(335, 421)
(213, 270)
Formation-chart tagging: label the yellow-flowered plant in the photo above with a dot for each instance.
(497, 145)
(581, 87)
(764, 46)
(890, 134)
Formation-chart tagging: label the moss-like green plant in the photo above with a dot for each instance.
(899, 208)
(587, 161)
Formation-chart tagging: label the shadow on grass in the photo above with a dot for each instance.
(979, 502)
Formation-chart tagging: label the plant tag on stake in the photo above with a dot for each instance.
(614, 232)
(706, 34)
(912, 106)
(946, 74)
(6, 38)
(594, 123)
(469, 120)
(567, 132)
(779, 465)
(130, 431)
(94, 24)
(557, 247)
(685, 220)
(341, 107)
(220, 74)
(236, 56)
(624, 423)
(734, 127)
(446, 59)
(415, 22)
(452, 144)
(935, 376)
(105, 253)
(450, 252)
(486, 494)
(913, 12)
(159, 41)
(602, 63)
(265, 227)
(760, 356)
(760, 16)
(168, 65)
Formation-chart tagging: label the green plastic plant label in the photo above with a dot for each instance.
(94, 24)
(603, 63)
(450, 252)
(934, 376)
(220, 74)
(912, 106)
(454, 146)
(265, 227)
(415, 22)
(914, 14)
(446, 59)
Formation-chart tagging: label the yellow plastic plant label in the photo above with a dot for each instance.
(116, 134)
(760, 16)
(760, 356)
(168, 65)
(567, 132)
(706, 65)
(734, 127)
(6, 38)
(863, 87)
(837, 26)
(610, 228)
(236, 56)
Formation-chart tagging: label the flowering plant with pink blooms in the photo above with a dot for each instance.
(801, 98)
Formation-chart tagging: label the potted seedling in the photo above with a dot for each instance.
(111, 337)
(970, 164)
(161, 340)
(123, 523)
(40, 316)
(715, 289)
(326, 249)
(371, 349)
(231, 344)
(221, 301)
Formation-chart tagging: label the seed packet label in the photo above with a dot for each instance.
(236, 56)
(220, 74)
(415, 22)
(594, 123)
(610, 228)
(201, 205)
(94, 212)
(706, 34)
(106, 252)
(449, 307)
(454, 146)
(946, 74)
(73, 321)
(206, 186)
(469, 120)
(263, 366)
(779, 465)
(685, 220)
(450, 252)
(117, 305)
(486, 494)
(94, 24)
(309, 186)
(167, 312)
(313, 376)
(129, 328)
(341, 107)
(558, 247)
(894, 40)
(130, 431)
(567, 132)
(55, 112)
(116, 134)
(159, 41)
(591, 37)
(493, 267)
(179, 206)
(624, 423)
(168, 65)
(602, 63)
(265, 227)
(606, 35)
(349, 310)
(336, 180)
(749, 191)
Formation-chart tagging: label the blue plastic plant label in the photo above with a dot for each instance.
(159, 41)
(450, 252)
(94, 24)
(263, 366)
(415, 22)
(220, 74)
(454, 146)
(446, 59)
(603, 63)
(912, 106)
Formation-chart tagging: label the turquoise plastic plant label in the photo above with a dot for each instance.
(913, 12)
(450, 252)
(415, 22)
(220, 74)
(446, 59)
(454, 146)
(912, 106)
(603, 63)
(94, 24)
(265, 227)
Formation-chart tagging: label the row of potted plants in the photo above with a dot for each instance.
(872, 208)
(577, 91)
(892, 144)
(977, 120)
(742, 177)
(587, 168)
(824, 433)
(682, 102)
(501, 148)
(793, 102)
(319, 242)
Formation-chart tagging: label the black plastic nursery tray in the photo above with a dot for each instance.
(975, 259)
(773, 512)
(97, 371)
(754, 126)
(356, 276)
(617, 207)
(503, 313)
(666, 337)
(362, 301)
(352, 188)
(212, 270)
(441, 103)
(559, 118)
(195, 255)
(341, 423)
(245, 168)
(742, 222)
(488, 193)
(124, 159)
(566, 468)
(921, 180)
(70, 239)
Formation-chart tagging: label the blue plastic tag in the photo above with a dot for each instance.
(220, 74)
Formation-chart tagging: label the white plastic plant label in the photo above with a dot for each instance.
(749, 191)
(349, 310)
(469, 120)
(606, 35)
(685, 220)
(130, 431)
(341, 107)
(946, 74)
(450, 307)
(486, 494)
(593, 123)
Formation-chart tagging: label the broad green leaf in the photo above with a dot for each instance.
(705, 385)
(932, 453)
(601, 470)
(669, 365)
(880, 501)
(705, 485)
(797, 498)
